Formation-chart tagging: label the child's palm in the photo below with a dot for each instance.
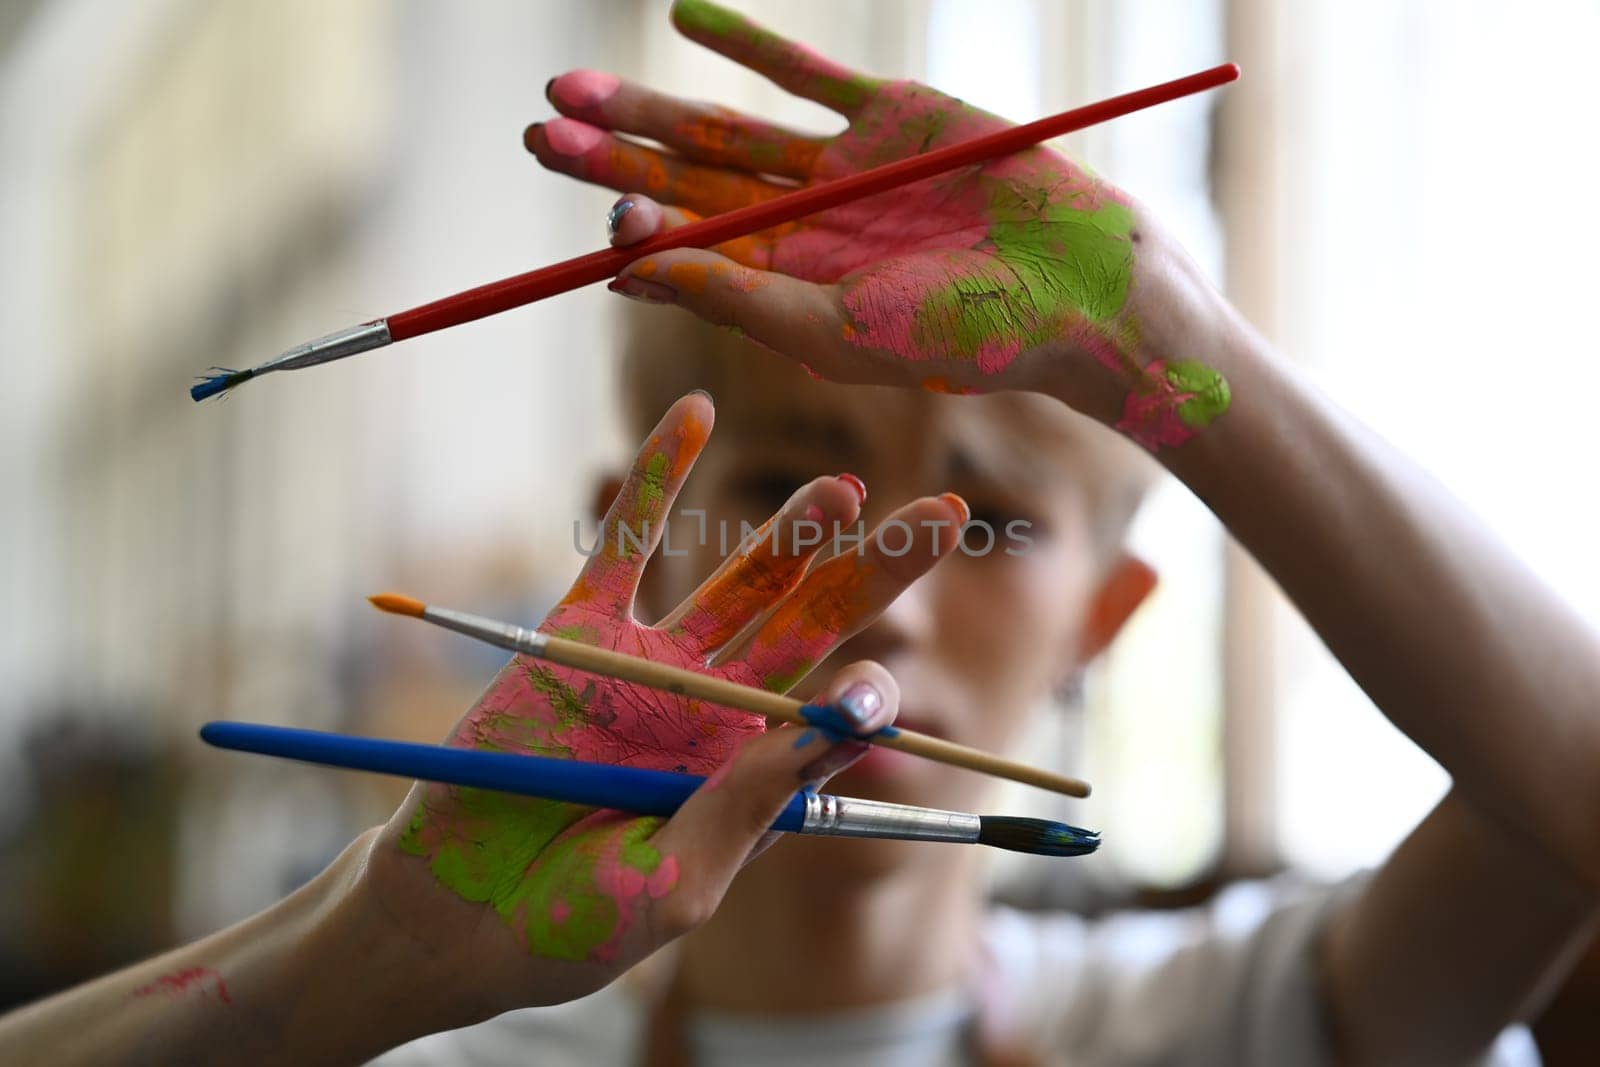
(580, 894)
(949, 283)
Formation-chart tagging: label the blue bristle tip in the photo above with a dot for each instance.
(213, 384)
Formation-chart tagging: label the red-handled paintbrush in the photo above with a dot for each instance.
(598, 266)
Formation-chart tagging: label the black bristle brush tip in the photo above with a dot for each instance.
(1039, 837)
(221, 382)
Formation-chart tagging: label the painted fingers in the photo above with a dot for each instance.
(725, 286)
(768, 564)
(633, 525)
(789, 65)
(839, 597)
(591, 154)
(704, 133)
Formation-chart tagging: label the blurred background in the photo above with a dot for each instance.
(185, 184)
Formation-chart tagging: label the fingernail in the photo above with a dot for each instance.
(959, 504)
(527, 135)
(863, 704)
(547, 87)
(705, 393)
(639, 289)
(614, 216)
(857, 484)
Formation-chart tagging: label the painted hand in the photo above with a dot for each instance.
(1013, 275)
(541, 902)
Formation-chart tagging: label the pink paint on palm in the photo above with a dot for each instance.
(945, 271)
(571, 884)
(629, 887)
(881, 303)
(539, 707)
(939, 214)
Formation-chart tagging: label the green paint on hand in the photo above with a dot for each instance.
(524, 857)
(573, 905)
(577, 631)
(782, 683)
(1054, 263)
(652, 492)
(1211, 395)
(1066, 259)
(570, 708)
(701, 20)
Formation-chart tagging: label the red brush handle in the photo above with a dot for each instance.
(522, 289)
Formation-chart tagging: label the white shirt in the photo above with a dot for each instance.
(1231, 984)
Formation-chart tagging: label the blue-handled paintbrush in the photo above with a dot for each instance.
(646, 792)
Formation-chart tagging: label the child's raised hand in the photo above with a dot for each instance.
(541, 901)
(1021, 273)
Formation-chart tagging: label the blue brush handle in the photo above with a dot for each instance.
(599, 785)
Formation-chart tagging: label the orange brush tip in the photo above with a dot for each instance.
(395, 604)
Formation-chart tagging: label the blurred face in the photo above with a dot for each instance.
(977, 644)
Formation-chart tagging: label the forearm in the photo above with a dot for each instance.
(1455, 641)
(320, 977)
(1411, 981)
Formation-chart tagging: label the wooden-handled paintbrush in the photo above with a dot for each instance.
(773, 706)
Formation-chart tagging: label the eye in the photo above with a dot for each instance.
(1003, 521)
(762, 491)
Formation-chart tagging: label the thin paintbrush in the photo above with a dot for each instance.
(646, 792)
(503, 295)
(669, 679)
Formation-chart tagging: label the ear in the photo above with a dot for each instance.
(1126, 584)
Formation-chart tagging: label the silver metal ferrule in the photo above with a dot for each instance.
(347, 342)
(852, 817)
(512, 638)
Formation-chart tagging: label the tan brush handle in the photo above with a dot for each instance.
(670, 679)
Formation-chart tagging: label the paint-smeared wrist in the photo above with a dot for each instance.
(1159, 378)
(384, 976)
